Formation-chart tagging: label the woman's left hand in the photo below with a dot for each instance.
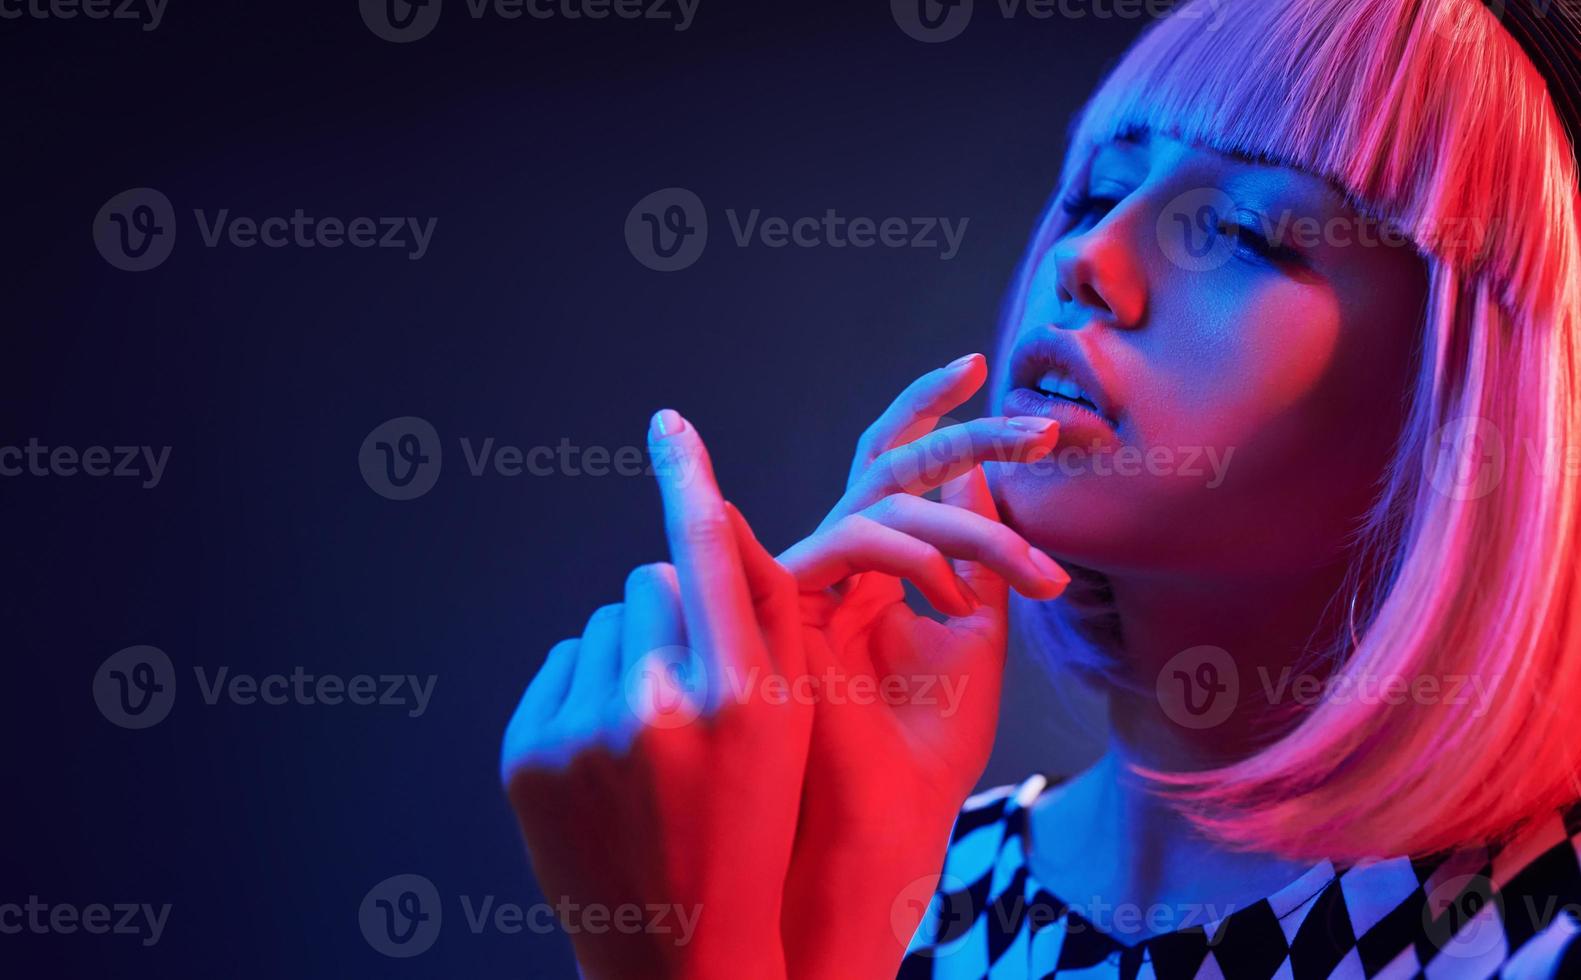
(639, 784)
(910, 704)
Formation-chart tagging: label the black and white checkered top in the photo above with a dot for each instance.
(1510, 912)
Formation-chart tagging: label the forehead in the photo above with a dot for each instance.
(1139, 154)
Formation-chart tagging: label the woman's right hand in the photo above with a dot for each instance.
(654, 766)
(887, 772)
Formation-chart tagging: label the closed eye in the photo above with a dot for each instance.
(1081, 206)
(1251, 240)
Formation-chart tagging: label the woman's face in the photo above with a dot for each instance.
(1246, 340)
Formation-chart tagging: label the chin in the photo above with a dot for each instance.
(1101, 523)
(1061, 513)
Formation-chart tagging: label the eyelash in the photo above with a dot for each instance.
(1253, 239)
(1081, 206)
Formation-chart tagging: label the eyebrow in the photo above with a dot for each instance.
(1140, 135)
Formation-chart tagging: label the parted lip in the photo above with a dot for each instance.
(1040, 353)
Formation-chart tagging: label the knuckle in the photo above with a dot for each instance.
(900, 503)
(886, 461)
(707, 530)
(935, 562)
(604, 614)
(867, 442)
(652, 575)
(1002, 543)
(884, 509)
(856, 527)
(782, 583)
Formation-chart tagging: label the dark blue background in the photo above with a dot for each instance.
(529, 320)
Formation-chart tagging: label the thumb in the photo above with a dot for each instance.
(774, 596)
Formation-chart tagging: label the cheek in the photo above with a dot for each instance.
(1238, 368)
(1238, 424)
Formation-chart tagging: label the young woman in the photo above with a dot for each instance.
(1287, 383)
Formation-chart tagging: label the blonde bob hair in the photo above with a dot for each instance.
(1428, 115)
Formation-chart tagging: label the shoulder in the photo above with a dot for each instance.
(1518, 904)
(1513, 909)
(984, 866)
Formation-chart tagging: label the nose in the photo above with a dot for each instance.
(1098, 274)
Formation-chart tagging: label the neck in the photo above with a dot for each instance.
(1107, 832)
(1106, 841)
(1210, 661)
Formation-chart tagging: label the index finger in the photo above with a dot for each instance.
(942, 455)
(915, 411)
(715, 601)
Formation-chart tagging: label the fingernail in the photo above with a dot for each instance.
(1032, 423)
(968, 593)
(1047, 567)
(666, 422)
(960, 362)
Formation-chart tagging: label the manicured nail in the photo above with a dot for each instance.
(666, 422)
(1047, 568)
(1032, 423)
(960, 362)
